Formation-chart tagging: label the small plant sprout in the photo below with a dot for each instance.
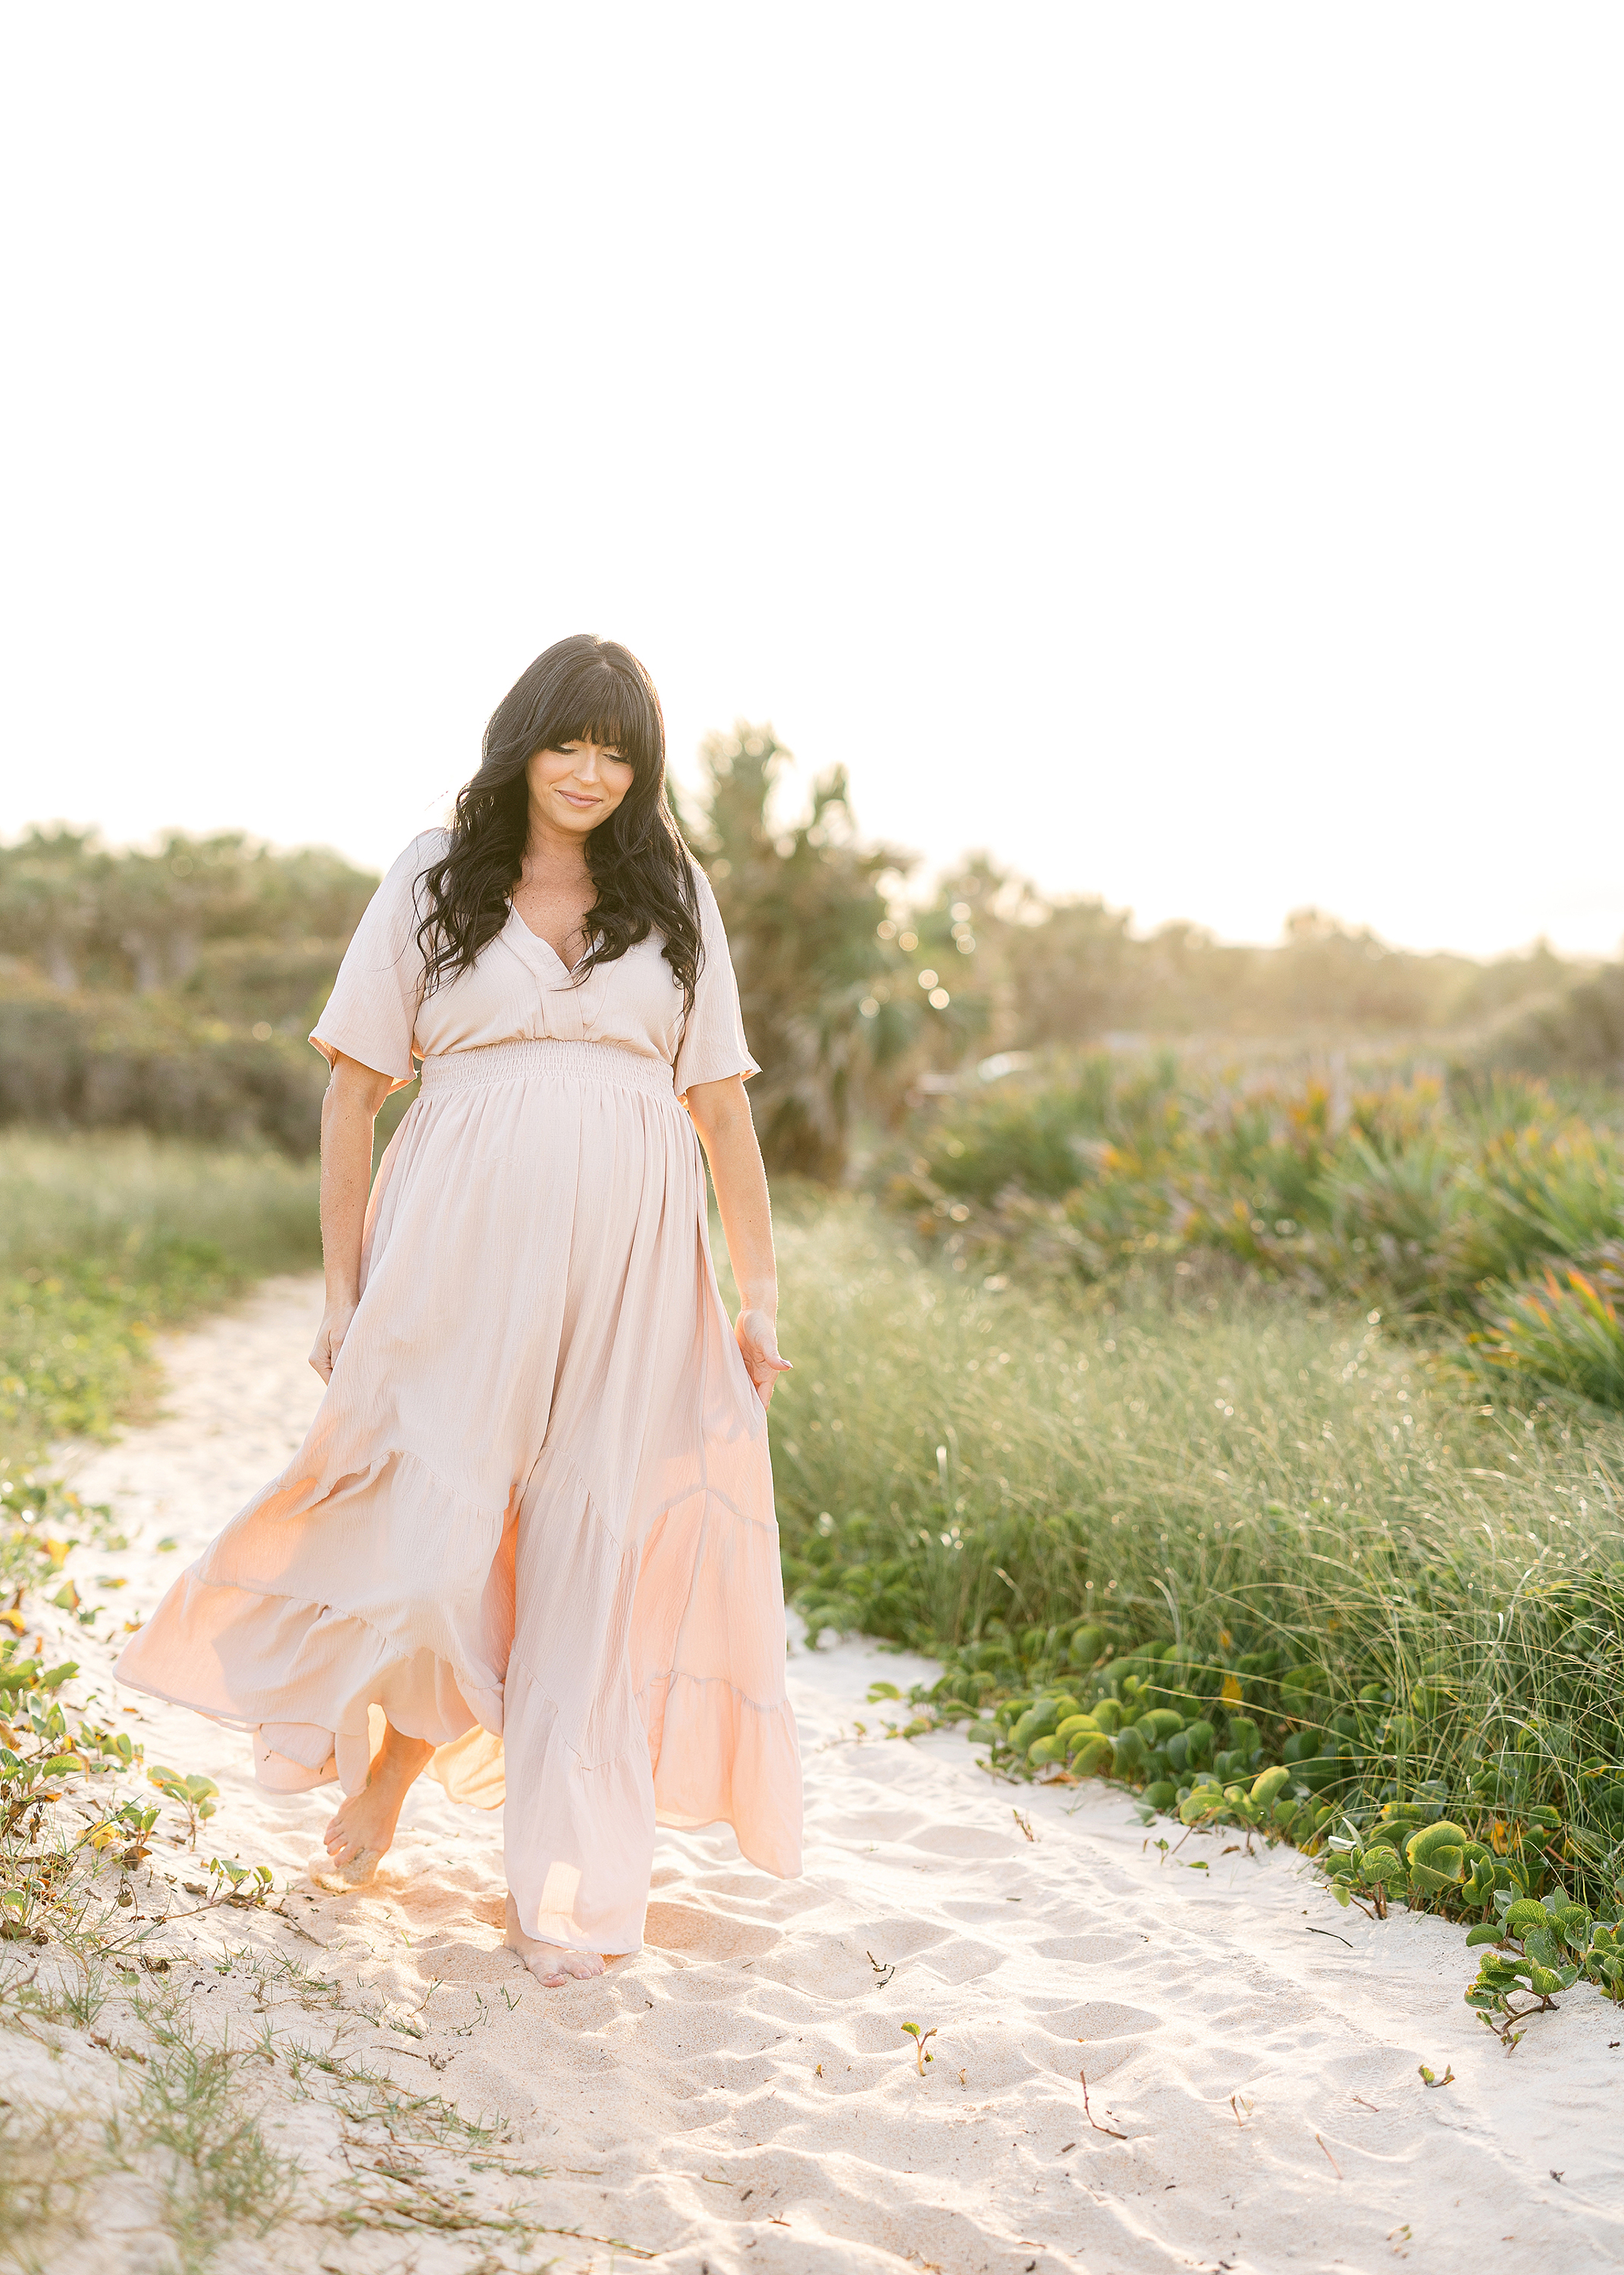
(1430, 2077)
(196, 1795)
(883, 1969)
(920, 2038)
(245, 1885)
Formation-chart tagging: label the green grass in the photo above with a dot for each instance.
(106, 1238)
(1186, 1460)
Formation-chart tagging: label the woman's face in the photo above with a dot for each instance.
(578, 786)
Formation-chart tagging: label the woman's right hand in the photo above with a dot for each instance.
(329, 1338)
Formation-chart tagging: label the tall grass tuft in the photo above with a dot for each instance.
(963, 1465)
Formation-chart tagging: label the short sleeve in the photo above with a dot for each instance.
(713, 1045)
(374, 1006)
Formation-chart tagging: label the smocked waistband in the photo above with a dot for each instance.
(560, 1062)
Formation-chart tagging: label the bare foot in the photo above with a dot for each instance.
(362, 1828)
(552, 1964)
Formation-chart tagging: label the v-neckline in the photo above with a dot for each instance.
(535, 941)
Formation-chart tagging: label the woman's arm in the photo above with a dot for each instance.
(348, 1109)
(720, 1113)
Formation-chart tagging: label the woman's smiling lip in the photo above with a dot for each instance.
(574, 798)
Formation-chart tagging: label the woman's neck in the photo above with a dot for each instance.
(556, 855)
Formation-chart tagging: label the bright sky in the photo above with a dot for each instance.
(1176, 448)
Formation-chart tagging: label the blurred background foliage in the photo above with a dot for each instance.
(171, 988)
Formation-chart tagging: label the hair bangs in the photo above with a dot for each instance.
(611, 707)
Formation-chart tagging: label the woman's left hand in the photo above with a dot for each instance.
(758, 1340)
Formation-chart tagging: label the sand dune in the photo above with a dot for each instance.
(741, 2095)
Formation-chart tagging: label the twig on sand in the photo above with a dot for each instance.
(279, 1911)
(1089, 2113)
(1331, 1931)
(1237, 2103)
(885, 1968)
(1330, 2159)
(1024, 1823)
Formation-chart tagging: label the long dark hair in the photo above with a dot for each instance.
(582, 690)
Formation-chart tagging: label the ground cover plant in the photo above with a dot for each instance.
(103, 1240)
(1370, 1599)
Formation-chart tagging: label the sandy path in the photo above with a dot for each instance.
(741, 2096)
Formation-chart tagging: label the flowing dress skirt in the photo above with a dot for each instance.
(532, 1521)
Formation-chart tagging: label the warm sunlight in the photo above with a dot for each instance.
(811, 1139)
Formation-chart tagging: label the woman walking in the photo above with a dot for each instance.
(528, 1543)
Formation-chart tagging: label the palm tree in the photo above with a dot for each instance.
(804, 907)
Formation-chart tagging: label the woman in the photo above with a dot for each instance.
(529, 1543)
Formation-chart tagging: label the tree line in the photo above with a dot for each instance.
(860, 995)
(124, 919)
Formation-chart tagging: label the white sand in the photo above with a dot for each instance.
(678, 2101)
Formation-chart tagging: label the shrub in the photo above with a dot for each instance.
(1411, 1196)
(1567, 1332)
(124, 1061)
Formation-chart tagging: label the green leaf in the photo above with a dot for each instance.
(1523, 1914)
(1268, 1785)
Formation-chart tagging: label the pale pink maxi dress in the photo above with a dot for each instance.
(532, 1521)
